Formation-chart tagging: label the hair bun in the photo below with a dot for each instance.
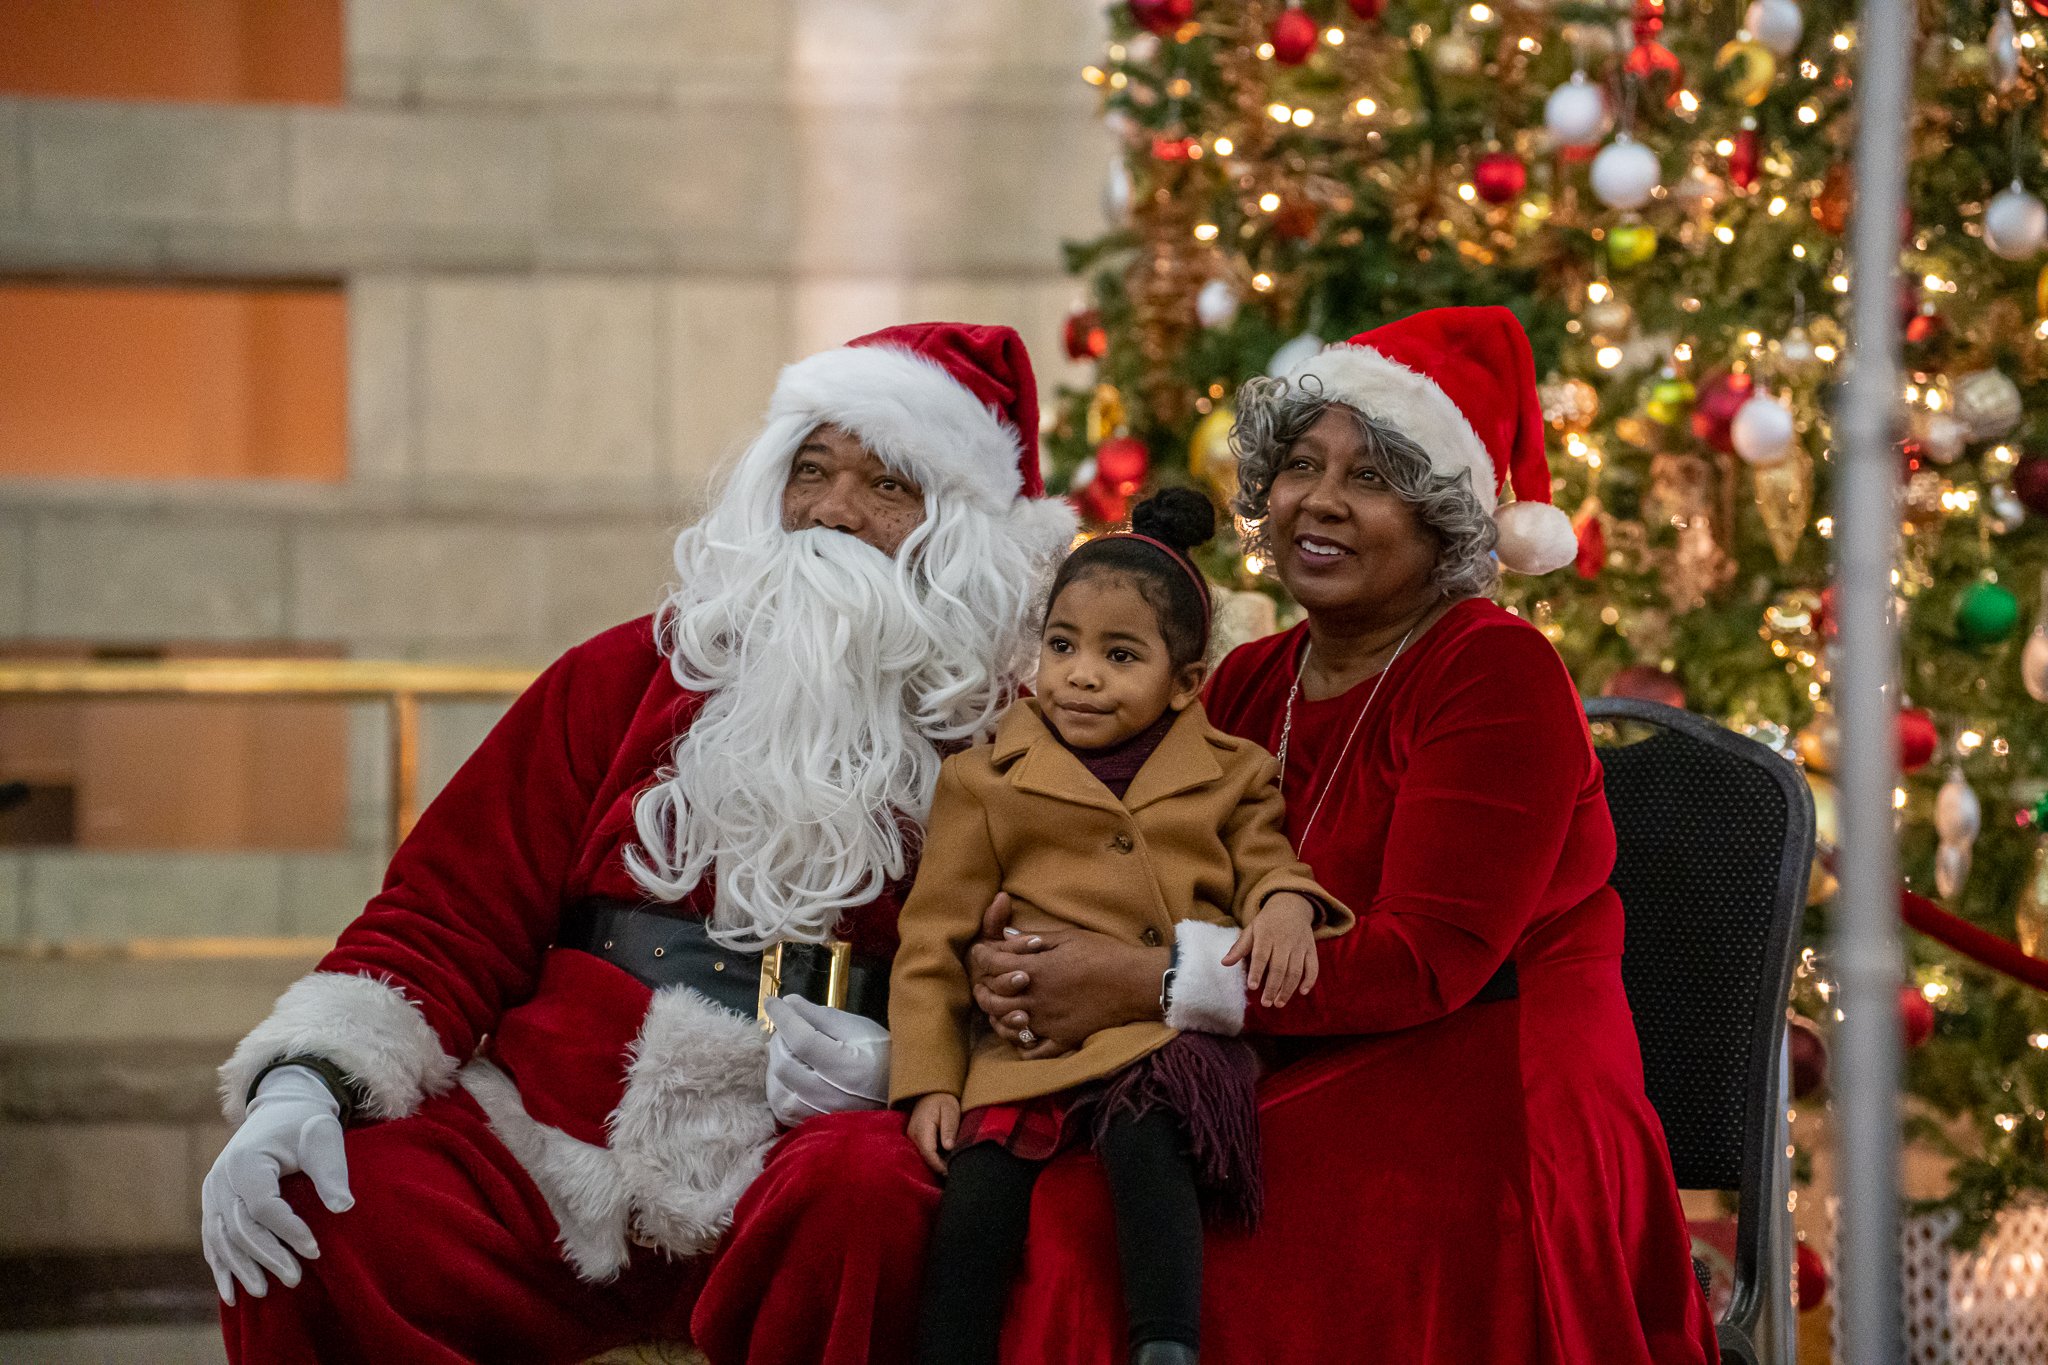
(1179, 517)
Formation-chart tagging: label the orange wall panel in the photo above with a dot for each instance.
(173, 383)
(216, 51)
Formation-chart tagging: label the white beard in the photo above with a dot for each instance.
(804, 781)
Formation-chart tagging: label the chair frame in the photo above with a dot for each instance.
(1760, 1326)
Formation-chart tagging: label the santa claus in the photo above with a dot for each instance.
(510, 1114)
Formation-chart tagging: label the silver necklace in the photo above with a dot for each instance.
(1287, 728)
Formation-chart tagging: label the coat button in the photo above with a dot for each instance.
(1122, 843)
(661, 952)
(1150, 937)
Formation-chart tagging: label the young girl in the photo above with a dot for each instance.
(1105, 802)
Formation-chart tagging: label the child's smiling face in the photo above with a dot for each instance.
(1104, 673)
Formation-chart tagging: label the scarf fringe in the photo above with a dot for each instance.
(1209, 1084)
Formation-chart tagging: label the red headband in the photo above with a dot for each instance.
(1187, 567)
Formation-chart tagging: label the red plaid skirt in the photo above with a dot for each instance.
(1035, 1130)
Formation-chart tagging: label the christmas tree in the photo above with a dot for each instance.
(1662, 198)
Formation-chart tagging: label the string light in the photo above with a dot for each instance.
(1968, 741)
(1118, 80)
(1776, 206)
(1262, 282)
(1688, 102)
(1205, 232)
(1366, 108)
(1840, 284)
(1607, 357)
(1094, 75)
(1809, 68)
(1808, 114)
(1279, 113)
(1724, 234)
(1265, 52)
(1682, 352)
(1598, 292)
(1224, 146)
(1269, 201)
(1467, 193)
(1825, 353)
(1799, 251)
(1304, 117)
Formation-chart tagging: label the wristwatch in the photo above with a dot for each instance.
(1166, 983)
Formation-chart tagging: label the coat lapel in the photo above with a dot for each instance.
(1182, 762)
(1044, 765)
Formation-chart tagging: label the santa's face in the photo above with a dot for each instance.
(838, 484)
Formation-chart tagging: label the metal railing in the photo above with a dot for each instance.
(400, 686)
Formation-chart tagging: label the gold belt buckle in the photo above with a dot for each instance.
(837, 980)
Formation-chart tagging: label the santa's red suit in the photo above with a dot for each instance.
(548, 1152)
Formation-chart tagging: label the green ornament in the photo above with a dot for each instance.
(1670, 400)
(1630, 245)
(1986, 613)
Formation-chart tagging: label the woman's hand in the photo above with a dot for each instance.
(934, 1123)
(1281, 944)
(1061, 984)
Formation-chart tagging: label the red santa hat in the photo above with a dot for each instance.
(952, 405)
(1460, 383)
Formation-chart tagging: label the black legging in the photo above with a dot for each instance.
(980, 1240)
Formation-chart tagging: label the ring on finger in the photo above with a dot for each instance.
(1026, 1037)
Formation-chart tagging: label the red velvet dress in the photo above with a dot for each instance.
(1462, 1183)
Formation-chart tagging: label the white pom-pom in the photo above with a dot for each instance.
(1535, 538)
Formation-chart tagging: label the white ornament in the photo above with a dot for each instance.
(1988, 404)
(1143, 48)
(1797, 347)
(1625, 173)
(1116, 193)
(1292, 353)
(1456, 54)
(1762, 431)
(2007, 511)
(1216, 303)
(1943, 437)
(1576, 112)
(1777, 24)
(2004, 47)
(2015, 223)
(2034, 656)
(1958, 815)
(1951, 869)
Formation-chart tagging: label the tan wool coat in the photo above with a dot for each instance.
(1199, 834)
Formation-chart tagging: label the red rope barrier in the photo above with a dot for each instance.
(1980, 946)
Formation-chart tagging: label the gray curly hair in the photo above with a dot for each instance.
(1272, 415)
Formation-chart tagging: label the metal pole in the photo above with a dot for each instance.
(1866, 935)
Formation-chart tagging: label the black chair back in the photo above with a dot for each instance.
(1714, 838)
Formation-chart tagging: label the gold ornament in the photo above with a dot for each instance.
(1107, 415)
(1209, 453)
(1569, 404)
(1630, 245)
(1784, 499)
(1686, 493)
(1817, 742)
(1790, 619)
(2030, 915)
(1746, 68)
(1608, 320)
(1827, 827)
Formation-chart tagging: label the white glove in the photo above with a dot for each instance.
(294, 1124)
(823, 1061)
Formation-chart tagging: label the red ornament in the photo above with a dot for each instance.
(1831, 206)
(1649, 61)
(1295, 220)
(1918, 739)
(1294, 37)
(1499, 177)
(1592, 556)
(1746, 159)
(1812, 1277)
(1172, 148)
(1086, 337)
(1824, 619)
(1162, 16)
(1714, 409)
(1809, 1057)
(1121, 463)
(1649, 19)
(1099, 503)
(1368, 10)
(1916, 1016)
(2030, 484)
(2039, 7)
(1925, 328)
(1645, 682)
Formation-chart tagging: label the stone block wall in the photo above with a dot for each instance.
(577, 238)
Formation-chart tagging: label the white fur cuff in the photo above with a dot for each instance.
(364, 1026)
(1207, 997)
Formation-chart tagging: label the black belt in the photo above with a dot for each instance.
(661, 950)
